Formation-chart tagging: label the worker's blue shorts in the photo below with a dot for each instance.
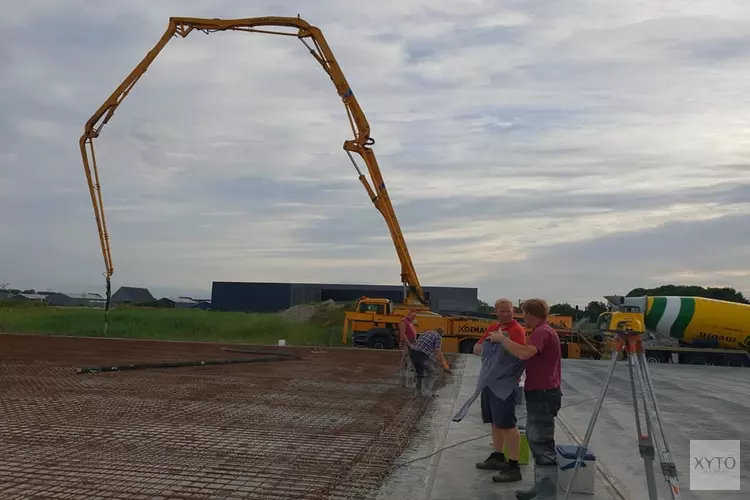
(495, 411)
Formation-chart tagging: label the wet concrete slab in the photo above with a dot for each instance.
(441, 463)
(696, 402)
(414, 472)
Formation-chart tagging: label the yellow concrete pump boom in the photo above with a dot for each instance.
(320, 50)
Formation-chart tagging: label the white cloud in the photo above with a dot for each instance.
(505, 135)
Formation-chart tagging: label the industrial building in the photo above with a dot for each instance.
(182, 303)
(132, 295)
(273, 297)
(76, 299)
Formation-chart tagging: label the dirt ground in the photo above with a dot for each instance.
(326, 426)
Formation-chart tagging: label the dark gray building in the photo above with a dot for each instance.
(76, 299)
(177, 302)
(273, 297)
(29, 297)
(132, 295)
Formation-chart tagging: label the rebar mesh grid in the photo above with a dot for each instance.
(327, 426)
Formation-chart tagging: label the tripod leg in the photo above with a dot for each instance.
(635, 396)
(668, 467)
(645, 441)
(592, 422)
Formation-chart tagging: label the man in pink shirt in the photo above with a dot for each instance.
(542, 361)
(407, 335)
(407, 332)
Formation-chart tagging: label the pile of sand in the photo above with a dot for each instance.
(304, 312)
(299, 314)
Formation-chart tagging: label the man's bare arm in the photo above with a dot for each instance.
(478, 348)
(521, 351)
(443, 361)
(402, 338)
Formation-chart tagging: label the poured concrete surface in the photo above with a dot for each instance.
(696, 402)
(451, 474)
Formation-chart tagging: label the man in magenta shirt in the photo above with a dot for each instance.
(542, 361)
(407, 332)
(407, 335)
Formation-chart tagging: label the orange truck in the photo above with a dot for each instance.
(374, 324)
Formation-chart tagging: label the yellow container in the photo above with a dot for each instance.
(524, 453)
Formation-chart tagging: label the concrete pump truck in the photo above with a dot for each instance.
(374, 320)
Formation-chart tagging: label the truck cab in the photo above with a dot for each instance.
(373, 323)
(619, 321)
(603, 321)
(374, 305)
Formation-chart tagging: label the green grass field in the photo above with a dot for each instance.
(323, 329)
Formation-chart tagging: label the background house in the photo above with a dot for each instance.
(177, 302)
(29, 297)
(132, 295)
(76, 299)
(203, 304)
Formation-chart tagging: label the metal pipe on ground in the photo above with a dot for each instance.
(270, 356)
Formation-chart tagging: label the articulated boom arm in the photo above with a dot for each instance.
(320, 50)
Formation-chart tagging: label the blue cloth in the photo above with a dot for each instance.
(500, 373)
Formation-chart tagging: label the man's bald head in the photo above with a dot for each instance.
(504, 310)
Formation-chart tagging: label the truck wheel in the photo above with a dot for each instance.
(653, 359)
(380, 338)
(378, 342)
(467, 346)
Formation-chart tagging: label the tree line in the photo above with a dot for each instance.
(719, 293)
(593, 309)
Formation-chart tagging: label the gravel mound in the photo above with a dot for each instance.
(304, 312)
(299, 314)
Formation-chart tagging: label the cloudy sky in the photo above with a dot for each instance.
(568, 149)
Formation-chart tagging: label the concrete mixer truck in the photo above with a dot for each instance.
(686, 330)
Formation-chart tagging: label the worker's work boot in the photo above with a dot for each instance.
(545, 484)
(510, 473)
(496, 461)
(406, 375)
(527, 494)
(420, 386)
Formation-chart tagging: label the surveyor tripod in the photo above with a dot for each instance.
(650, 445)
